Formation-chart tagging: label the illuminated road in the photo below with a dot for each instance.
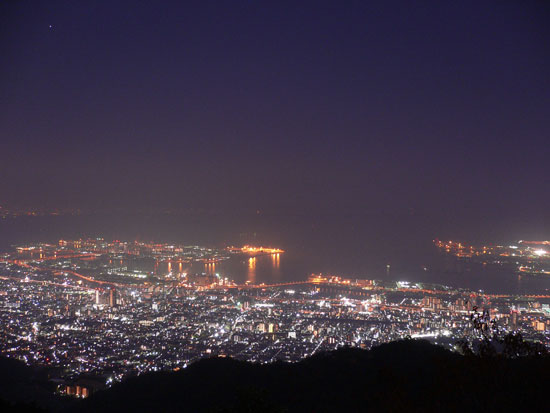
(336, 285)
(25, 264)
(373, 290)
(45, 282)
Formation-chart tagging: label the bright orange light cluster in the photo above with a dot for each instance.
(247, 249)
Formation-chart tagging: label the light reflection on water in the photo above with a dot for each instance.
(241, 269)
(354, 246)
(251, 275)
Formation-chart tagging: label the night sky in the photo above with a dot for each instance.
(339, 107)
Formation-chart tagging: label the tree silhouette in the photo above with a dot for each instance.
(487, 340)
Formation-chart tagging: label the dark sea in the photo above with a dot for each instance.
(353, 246)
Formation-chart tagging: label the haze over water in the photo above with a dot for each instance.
(354, 246)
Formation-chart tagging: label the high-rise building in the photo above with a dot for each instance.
(514, 319)
(112, 297)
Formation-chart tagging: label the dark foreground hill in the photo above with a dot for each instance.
(401, 376)
(26, 389)
(407, 375)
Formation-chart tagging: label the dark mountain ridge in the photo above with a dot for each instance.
(411, 375)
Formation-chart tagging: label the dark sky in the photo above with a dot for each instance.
(382, 106)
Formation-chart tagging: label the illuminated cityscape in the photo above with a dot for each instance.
(117, 309)
(525, 257)
(288, 206)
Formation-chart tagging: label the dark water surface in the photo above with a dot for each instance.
(355, 246)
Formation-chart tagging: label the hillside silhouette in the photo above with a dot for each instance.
(407, 375)
(411, 375)
(26, 389)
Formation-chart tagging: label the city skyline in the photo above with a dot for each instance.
(138, 309)
(274, 206)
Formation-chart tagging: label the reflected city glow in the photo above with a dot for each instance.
(251, 276)
(275, 264)
(275, 258)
